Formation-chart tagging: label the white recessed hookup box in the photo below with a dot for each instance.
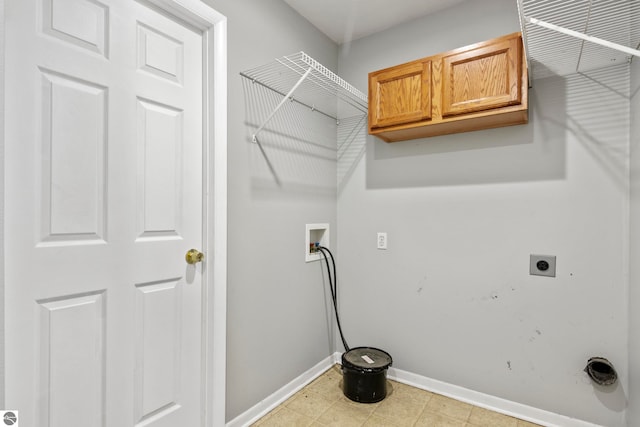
(315, 233)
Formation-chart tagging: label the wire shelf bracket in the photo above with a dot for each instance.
(275, 110)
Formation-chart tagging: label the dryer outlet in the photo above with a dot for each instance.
(542, 265)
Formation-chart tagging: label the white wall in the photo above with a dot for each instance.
(634, 279)
(278, 318)
(452, 298)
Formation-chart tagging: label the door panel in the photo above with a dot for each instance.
(103, 199)
(157, 382)
(159, 166)
(160, 54)
(83, 23)
(71, 339)
(73, 132)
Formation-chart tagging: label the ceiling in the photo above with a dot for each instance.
(346, 20)
(549, 52)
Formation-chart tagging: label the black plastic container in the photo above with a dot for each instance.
(364, 374)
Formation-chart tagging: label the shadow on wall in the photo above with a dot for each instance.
(534, 151)
(598, 115)
(592, 106)
(297, 150)
(612, 397)
(352, 138)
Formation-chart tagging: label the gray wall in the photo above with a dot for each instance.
(452, 298)
(634, 279)
(278, 323)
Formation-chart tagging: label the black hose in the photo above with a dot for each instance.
(333, 285)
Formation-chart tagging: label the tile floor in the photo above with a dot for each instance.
(322, 403)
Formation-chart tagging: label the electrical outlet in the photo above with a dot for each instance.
(542, 265)
(382, 240)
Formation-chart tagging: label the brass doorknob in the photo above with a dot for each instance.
(194, 256)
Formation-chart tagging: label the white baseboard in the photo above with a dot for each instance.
(262, 408)
(497, 404)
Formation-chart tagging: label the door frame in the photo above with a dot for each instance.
(214, 32)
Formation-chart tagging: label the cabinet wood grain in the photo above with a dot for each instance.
(401, 95)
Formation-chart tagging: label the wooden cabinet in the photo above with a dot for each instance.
(475, 87)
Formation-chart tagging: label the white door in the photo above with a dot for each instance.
(104, 173)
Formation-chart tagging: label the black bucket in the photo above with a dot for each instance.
(364, 374)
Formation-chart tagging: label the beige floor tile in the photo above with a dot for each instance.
(285, 417)
(484, 418)
(262, 420)
(449, 407)
(322, 403)
(402, 413)
(377, 421)
(366, 408)
(326, 386)
(523, 423)
(334, 372)
(343, 414)
(431, 419)
(309, 403)
(403, 405)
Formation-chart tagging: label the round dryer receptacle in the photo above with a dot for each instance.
(542, 265)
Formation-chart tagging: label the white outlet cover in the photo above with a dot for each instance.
(382, 240)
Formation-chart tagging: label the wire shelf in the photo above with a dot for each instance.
(300, 79)
(320, 90)
(564, 37)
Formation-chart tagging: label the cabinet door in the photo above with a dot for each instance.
(485, 77)
(400, 95)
